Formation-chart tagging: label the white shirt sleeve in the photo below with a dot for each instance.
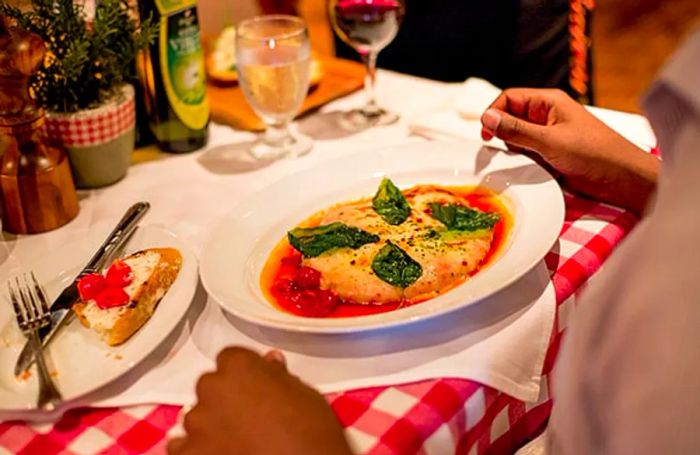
(628, 378)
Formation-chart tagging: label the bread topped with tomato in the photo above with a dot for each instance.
(119, 302)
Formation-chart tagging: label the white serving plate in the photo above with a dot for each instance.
(239, 246)
(82, 362)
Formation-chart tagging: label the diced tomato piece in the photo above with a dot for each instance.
(119, 274)
(286, 274)
(293, 261)
(308, 278)
(112, 297)
(315, 302)
(90, 286)
(284, 286)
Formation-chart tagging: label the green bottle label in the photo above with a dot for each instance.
(166, 7)
(182, 61)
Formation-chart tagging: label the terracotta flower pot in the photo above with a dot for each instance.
(99, 141)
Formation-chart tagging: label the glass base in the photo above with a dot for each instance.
(291, 147)
(362, 119)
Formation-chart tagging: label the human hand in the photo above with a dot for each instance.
(251, 405)
(591, 158)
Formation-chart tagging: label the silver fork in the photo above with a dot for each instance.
(33, 314)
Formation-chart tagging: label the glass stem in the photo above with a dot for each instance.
(277, 135)
(371, 108)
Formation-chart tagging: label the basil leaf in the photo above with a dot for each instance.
(312, 242)
(390, 204)
(394, 266)
(461, 218)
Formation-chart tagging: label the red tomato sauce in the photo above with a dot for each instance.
(295, 289)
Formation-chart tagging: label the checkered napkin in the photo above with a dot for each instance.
(95, 126)
(430, 417)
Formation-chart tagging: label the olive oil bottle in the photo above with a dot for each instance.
(172, 75)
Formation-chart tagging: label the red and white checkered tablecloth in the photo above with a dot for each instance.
(428, 417)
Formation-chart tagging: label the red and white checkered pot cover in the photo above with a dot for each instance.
(97, 126)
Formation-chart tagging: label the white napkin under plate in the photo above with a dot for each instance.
(460, 117)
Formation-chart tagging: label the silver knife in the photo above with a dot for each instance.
(61, 313)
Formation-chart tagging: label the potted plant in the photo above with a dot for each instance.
(85, 81)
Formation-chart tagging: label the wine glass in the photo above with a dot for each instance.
(368, 26)
(273, 57)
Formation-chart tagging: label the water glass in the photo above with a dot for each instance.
(273, 56)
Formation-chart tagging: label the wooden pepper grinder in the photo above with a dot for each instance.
(38, 193)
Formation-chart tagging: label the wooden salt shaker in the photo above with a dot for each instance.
(38, 193)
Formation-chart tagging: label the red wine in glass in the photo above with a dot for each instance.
(368, 25)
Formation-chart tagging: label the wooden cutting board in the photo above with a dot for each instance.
(340, 77)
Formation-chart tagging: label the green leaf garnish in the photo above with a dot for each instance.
(390, 204)
(394, 266)
(461, 218)
(312, 242)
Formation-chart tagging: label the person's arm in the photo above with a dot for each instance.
(252, 405)
(592, 158)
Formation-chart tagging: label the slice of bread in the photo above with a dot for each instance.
(154, 271)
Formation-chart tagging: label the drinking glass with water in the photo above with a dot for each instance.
(273, 61)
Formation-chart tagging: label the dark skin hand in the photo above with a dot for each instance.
(252, 405)
(592, 158)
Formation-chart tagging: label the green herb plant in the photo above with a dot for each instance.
(86, 62)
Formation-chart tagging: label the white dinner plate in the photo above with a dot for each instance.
(238, 247)
(81, 360)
